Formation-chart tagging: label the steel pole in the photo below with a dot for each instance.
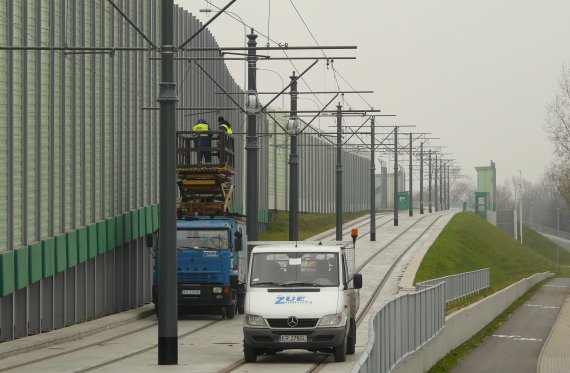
(338, 172)
(410, 199)
(435, 185)
(448, 190)
(294, 167)
(167, 302)
(395, 176)
(372, 183)
(429, 182)
(252, 145)
(421, 178)
(441, 185)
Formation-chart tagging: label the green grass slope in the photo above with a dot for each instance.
(544, 246)
(309, 225)
(469, 243)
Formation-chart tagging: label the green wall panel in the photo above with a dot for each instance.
(7, 278)
(35, 263)
(111, 243)
(92, 241)
(71, 249)
(60, 253)
(48, 257)
(128, 221)
(155, 221)
(134, 224)
(149, 222)
(82, 245)
(142, 221)
(22, 267)
(119, 230)
(101, 237)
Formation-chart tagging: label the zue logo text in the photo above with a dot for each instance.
(292, 300)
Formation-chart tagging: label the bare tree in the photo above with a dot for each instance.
(462, 190)
(557, 127)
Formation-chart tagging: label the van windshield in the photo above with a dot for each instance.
(294, 269)
(202, 239)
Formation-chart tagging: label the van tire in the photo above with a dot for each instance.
(351, 339)
(340, 352)
(249, 353)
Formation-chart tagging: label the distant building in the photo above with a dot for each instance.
(487, 183)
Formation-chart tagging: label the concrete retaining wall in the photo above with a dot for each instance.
(465, 323)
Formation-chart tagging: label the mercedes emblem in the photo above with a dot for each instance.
(292, 321)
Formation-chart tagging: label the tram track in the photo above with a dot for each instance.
(319, 366)
(316, 367)
(104, 341)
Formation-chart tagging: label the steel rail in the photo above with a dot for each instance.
(316, 367)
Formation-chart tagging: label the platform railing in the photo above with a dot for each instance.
(461, 285)
(204, 148)
(405, 324)
(401, 327)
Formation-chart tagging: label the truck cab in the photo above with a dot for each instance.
(301, 296)
(210, 265)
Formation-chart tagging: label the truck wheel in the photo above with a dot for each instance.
(351, 339)
(230, 311)
(340, 352)
(249, 353)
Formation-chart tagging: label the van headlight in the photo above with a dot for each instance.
(217, 290)
(331, 320)
(254, 320)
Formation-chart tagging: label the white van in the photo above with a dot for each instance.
(301, 296)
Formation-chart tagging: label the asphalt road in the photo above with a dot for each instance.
(516, 345)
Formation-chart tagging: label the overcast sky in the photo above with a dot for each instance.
(476, 74)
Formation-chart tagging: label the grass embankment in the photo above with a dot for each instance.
(469, 243)
(547, 248)
(309, 225)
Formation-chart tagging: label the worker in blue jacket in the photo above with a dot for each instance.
(203, 141)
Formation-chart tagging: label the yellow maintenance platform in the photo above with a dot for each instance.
(205, 167)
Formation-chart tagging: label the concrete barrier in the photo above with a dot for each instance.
(463, 324)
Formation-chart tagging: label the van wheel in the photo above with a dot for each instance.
(340, 352)
(230, 311)
(249, 354)
(351, 339)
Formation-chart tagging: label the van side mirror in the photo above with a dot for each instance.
(238, 241)
(357, 280)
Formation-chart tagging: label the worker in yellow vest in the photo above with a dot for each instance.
(228, 142)
(225, 126)
(203, 141)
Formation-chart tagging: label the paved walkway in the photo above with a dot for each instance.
(517, 344)
(555, 355)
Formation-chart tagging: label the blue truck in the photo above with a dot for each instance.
(210, 240)
(212, 263)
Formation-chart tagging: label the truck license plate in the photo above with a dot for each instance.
(292, 338)
(190, 292)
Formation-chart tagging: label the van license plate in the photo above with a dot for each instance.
(190, 292)
(292, 338)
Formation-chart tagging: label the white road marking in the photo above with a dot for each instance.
(517, 338)
(557, 286)
(541, 306)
